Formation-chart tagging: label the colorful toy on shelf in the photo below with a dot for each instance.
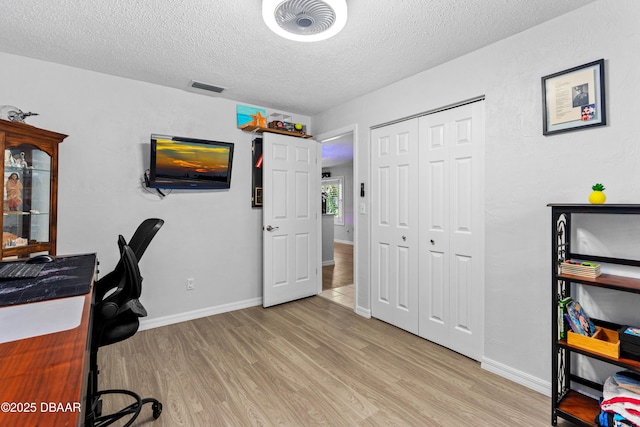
(288, 126)
(597, 197)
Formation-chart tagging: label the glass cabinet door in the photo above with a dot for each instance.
(27, 196)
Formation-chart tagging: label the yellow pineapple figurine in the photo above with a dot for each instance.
(597, 197)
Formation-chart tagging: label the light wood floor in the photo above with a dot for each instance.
(337, 279)
(306, 363)
(340, 274)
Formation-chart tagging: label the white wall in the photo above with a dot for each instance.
(524, 169)
(212, 236)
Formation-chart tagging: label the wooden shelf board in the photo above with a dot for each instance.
(621, 361)
(580, 407)
(258, 129)
(622, 283)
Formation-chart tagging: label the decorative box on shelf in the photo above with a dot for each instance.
(630, 342)
(604, 342)
(580, 268)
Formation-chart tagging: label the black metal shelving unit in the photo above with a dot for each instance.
(566, 401)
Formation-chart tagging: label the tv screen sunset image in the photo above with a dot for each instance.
(191, 160)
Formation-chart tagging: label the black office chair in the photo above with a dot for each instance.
(139, 242)
(143, 235)
(116, 318)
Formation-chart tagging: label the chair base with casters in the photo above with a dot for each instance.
(99, 420)
(95, 417)
(116, 318)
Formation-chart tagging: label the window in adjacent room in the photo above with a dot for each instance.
(332, 192)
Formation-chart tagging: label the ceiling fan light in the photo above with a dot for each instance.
(305, 20)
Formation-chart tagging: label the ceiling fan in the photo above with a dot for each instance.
(305, 20)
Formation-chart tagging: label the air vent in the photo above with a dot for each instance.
(205, 86)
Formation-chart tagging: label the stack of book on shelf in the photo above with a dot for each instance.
(580, 268)
(578, 319)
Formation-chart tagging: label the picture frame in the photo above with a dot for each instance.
(256, 173)
(257, 198)
(574, 99)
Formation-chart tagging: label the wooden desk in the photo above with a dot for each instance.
(43, 379)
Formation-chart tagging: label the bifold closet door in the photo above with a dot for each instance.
(451, 229)
(394, 224)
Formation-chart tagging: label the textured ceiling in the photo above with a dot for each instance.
(226, 43)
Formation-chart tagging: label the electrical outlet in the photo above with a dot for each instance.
(191, 284)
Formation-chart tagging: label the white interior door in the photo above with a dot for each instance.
(394, 225)
(291, 224)
(452, 229)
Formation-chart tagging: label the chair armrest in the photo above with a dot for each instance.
(137, 308)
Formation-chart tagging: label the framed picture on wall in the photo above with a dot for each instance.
(256, 173)
(574, 99)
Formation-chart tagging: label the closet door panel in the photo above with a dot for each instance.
(384, 287)
(394, 232)
(435, 299)
(403, 279)
(461, 295)
(434, 232)
(451, 155)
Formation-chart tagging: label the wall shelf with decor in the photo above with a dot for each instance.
(259, 129)
(568, 399)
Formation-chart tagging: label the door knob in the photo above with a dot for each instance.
(404, 238)
(432, 242)
(270, 228)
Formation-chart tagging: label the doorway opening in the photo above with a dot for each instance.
(337, 278)
(338, 193)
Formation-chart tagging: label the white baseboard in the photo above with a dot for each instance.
(529, 381)
(328, 262)
(196, 314)
(364, 312)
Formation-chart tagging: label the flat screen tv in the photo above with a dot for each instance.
(188, 163)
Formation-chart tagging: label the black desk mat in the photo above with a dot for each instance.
(65, 277)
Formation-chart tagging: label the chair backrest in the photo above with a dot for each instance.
(144, 234)
(128, 287)
(138, 243)
(133, 279)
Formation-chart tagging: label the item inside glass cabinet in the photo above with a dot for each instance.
(27, 174)
(14, 192)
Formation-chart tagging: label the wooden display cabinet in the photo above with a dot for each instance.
(30, 171)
